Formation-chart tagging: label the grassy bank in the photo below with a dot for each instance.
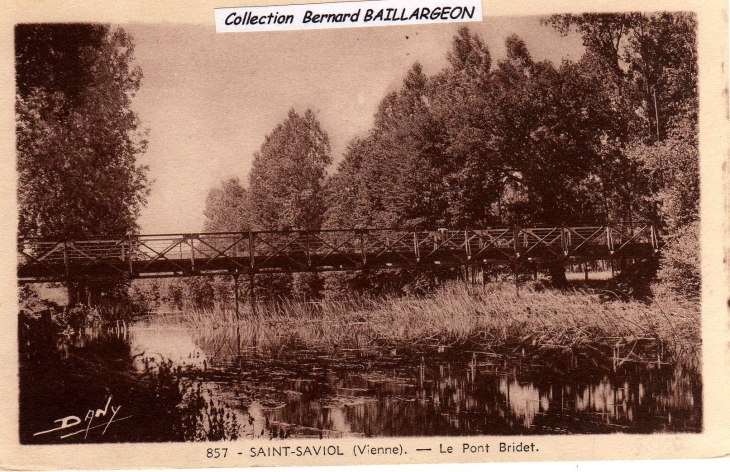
(491, 318)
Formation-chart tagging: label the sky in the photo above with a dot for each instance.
(208, 99)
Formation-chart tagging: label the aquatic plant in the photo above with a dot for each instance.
(491, 317)
(204, 418)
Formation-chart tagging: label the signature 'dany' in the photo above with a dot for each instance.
(68, 425)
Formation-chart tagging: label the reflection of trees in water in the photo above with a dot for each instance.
(169, 343)
(645, 398)
(458, 404)
(374, 398)
(229, 342)
(523, 400)
(355, 393)
(291, 391)
(65, 375)
(684, 389)
(70, 375)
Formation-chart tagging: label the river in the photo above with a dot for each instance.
(207, 384)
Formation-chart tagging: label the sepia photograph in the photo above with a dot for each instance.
(497, 234)
(313, 243)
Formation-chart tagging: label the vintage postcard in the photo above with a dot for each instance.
(363, 233)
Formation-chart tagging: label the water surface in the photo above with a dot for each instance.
(212, 384)
(398, 392)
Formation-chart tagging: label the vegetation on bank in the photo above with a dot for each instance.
(78, 138)
(73, 357)
(487, 141)
(484, 141)
(38, 314)
(495, 318)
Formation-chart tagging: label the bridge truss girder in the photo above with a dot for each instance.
(252, 252)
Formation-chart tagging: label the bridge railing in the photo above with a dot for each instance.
(324, 250)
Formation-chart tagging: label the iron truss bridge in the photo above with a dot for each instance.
(248, 253)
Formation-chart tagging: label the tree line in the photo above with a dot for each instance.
(609, 138)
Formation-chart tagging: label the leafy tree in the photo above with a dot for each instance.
(653, 57)
(286, 190)
(611, 137)
(662, 61)
(288, 173)
(463, 101)
(393, 176)
(57, 58)
(549, 129)
(77, 137)
(604, 34)
(226, 208)
(672, 170)
(350, 201)
(524, 141)
(680, 264)
(408, 148)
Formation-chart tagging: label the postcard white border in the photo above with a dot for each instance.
(713, 442)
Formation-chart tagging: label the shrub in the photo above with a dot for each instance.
(680, 265)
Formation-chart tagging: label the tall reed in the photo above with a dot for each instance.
(495, 316)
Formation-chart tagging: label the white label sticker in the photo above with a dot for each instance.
(346, 15)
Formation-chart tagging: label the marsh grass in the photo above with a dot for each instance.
(495, 317)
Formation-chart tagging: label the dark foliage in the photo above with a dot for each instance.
(77, 137)
(611, 137)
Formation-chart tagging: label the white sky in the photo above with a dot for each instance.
(209, 99)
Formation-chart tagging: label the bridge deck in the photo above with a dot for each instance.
(176, 255)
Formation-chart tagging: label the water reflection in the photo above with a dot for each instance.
(280, 389)
(181, 384)
(165, 342)
(69, 375)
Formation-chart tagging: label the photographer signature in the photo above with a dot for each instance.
(91, 415)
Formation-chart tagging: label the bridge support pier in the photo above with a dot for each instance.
(235, 295)
(557, 272)
(93, 294)
(83, 291)
(252, 294)
(238, 324)
(72, 292)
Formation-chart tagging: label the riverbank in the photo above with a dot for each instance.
(493, 318)
(466, 359)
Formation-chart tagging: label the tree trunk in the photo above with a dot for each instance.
(72, 291)
(93, 293)
(557, 273)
